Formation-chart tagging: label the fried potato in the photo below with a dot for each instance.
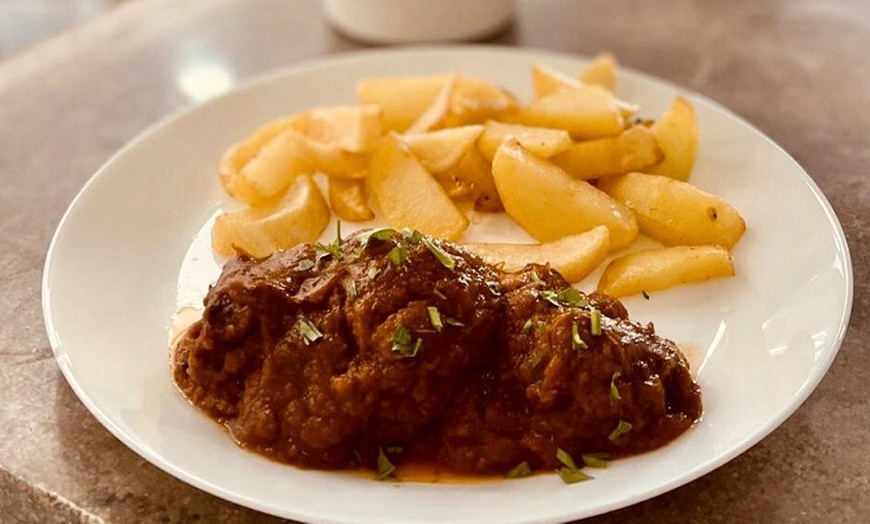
(355, 129)
(550, 204)
(440, 151)
(677, 134)
(547, 81)
(658, 269)
(633, 150)
(540, 141)
(237, 157)
(574, 256)
(475, 172)
(464, 101)
(675, 212)
(348, 200)
(585, 112)
(274, 167)
(601, 71)
(402, 99)
(408, 195)
(301, 216)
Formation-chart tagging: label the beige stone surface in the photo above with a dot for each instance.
(797, 69)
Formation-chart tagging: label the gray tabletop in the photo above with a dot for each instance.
(797, 69)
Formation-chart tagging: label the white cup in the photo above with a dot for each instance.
(405, 21)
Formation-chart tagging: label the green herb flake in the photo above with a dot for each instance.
(527, 327)
(446, 260)
(403, 343)
(350, 288)
(520, 470)
(595, 460)
(572, 476)
(540, 325)
(620, 430)
(566, 459)
(379, 235)
(439, 294)
(568, 297)
(398, 255)
(576, 341)
(535, 361)
(452, 322)
(412, 237)
(373, 272)
(595, 322)
(645, 294)
(308, 331)
(385, 467)
(304, 265)
(333, 249)
(537, 280)
(435, 318)
(615, 398)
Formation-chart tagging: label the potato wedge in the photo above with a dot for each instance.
(329, 158)
(274, 167)
(464, 101)
(574, 256)
(550, 204)
(301, 216)
(675, 212)
(601, 71)
(585, 112)
(408, 195)
(355, 129)
(475, 172)
(348, 200)
(633, 150)
(677, 134)
(547, 81)
(657, 269)
(402, 99)
(238, 155)
(540, 141)
(440, 151)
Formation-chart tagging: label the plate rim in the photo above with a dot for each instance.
(337, 60)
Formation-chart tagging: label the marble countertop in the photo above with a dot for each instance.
(797, 69)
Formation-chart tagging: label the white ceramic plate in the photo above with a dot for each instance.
(129, 252)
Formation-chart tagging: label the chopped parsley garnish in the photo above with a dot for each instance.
(615, 398)
(412, 237)
(566, 459)
(527, 327)
(350, 288)
(435, 318)
(308, 330)
(570, 474)
(446, 260)
(439, 294)
(333, 249)
(304, 265)
(452, 322)
(385, 467)
(620, 430)
(596, 460)
(398, 255)
(535, 361)
(373, 272)
(520, 470)
(380, 235)
(540, 325)
(404, 344)
(537, 280)
(645, 294)
(595, 322)
(576, 341)
(568, 297)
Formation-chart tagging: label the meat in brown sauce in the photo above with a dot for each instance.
(321, 357)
